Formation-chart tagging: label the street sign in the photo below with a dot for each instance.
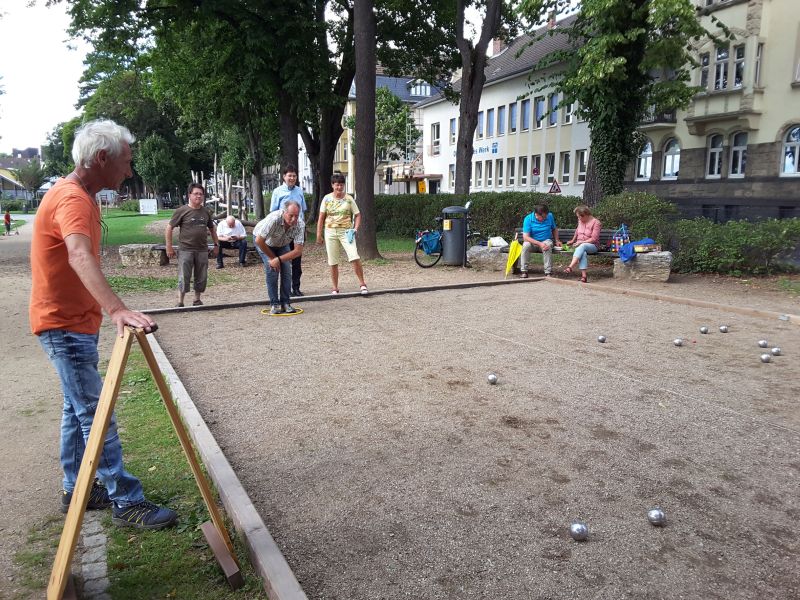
(555, 188)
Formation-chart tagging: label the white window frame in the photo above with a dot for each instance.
(536, 164)
(568, 109)
(738, 162)
(793, 146)
(489, 122)
(525, 105)
(552, 105)
(721, 58)
(581, 162)
(501, 120)
(453, 131)
(757, 66)
(436, 140)
(673, 160)
(510, 168)
(538, 116)
(498, 171)
(705, 66)
(550, 165)
(479, 126)
(523, 170)
(488, 169)
(714, 149)
(513, 115)
(566, 167)
(738, 66)
(644, 162)
(478, 173)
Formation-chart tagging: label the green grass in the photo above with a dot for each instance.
(126, 227)
(174, 562)
(35, 559)
(789, 285)
(122, 284)
(395, 244)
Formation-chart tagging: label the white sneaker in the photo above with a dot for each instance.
(364, 290)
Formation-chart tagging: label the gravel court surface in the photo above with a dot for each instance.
(386, 466)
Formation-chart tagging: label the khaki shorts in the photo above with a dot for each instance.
(335, 239)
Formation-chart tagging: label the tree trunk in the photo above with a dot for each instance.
(288, 132)
(593, 190)
(254, 145)
(365, 127)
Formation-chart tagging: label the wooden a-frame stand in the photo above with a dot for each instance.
(217, 536)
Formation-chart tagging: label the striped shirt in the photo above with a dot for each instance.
(273, 230)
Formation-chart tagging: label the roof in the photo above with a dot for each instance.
(507, 64)
(399, 86)
(10, 177)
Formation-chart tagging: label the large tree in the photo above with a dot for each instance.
(32, 176)
(625, 59)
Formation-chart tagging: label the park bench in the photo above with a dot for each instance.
(164, 259)
(565, 235)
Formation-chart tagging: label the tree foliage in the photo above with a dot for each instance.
(31, 175)
(158, 164)
(57, 152)
(625, 59)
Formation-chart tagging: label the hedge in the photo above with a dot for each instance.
(645, 215)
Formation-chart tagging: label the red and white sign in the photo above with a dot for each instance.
(555, 188)
(535, 171)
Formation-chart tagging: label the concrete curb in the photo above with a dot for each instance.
(267, 559)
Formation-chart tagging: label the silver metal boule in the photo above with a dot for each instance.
(766, 357)
(678, 342)
(492, 378)
(578, 531)
(704, 329)
(601, 339)
(763, 343)
(723, 328)
(776, 352)
(656, 517)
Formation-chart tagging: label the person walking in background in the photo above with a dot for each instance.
(231, 234)
(539, 231)
(271, 237)
(195, 224)
(68, 294)
(339, 214)
(7, 222)
(586, 240)
(280, 196)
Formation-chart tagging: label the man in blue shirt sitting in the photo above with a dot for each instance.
(539, 231)
(280, 196)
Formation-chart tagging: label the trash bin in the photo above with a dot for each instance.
(454, 235)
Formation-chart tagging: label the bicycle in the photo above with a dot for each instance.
(428, 242)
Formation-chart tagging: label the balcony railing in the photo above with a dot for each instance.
(653, 118)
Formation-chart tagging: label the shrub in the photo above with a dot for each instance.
(130, 205)
(15, 205)
(735, 247)
(646, 215)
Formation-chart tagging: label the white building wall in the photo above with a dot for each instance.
(522, 145)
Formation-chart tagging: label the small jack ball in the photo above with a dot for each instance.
(656, 517)
(601, 339)
(492, 378)
(723, 328)
(704, 330)
(763, 343)
(765, 358)
(776, 352)
(578, 531)
(678, 342)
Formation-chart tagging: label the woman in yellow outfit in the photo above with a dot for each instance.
(339, 214)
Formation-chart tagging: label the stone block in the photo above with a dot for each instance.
(484, 258)
(139, 255)
(94, 571)
(649, 266)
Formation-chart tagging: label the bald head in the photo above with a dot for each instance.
(231, 221)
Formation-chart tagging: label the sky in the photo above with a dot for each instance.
(39, 72)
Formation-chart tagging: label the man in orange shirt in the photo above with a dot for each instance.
(68, 294)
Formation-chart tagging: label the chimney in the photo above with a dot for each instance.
(497, 46)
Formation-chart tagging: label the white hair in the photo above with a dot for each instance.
(94, 136)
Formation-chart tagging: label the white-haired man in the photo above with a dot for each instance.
(232, 234)
(68, 294)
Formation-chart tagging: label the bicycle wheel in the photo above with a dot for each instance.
(426, 260)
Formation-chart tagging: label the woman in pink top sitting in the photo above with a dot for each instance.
(586, 240)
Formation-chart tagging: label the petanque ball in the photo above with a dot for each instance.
(776, 352)
(492, 378)
(763, 343)
(601, 339)
(766, 358)
(578, 531)
(656, 517)
(678, 342)
(723, 328)
(704, 330)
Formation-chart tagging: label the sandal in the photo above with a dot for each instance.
(179, 305)
(197, 303)
(334, 292)
(364, 290)
(523, 275)
(584, 279)
(567, 270)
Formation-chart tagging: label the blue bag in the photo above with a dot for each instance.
(432, 242)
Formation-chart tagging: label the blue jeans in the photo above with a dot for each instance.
(581, 252)
(285, 274)
(74, 355)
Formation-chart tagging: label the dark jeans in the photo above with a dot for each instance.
(240, 244)
(297, 269)
(285, 275)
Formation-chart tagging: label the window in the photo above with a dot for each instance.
(510, 171)
(644, 163)
(512, 118)
(714, 167)
(501, 120)
(580, 158)
(478, 174)
(525, 109)
(453, 131)
(435, 140)
(568, 113)
(738, 154)
(479, 128)
(488, 173)
(738, 66)
(420, 88)
(721, 69)
(523, 170)
(536, 167)
(344, 151)
(672, 159)
(791, 152)
(759, 53)
(539, 103)
(553, 116)
(704, 63)
(550, 163)
(566, 167)
(490, 122)
(499, 172)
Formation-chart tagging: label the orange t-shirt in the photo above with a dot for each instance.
(59, 299)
